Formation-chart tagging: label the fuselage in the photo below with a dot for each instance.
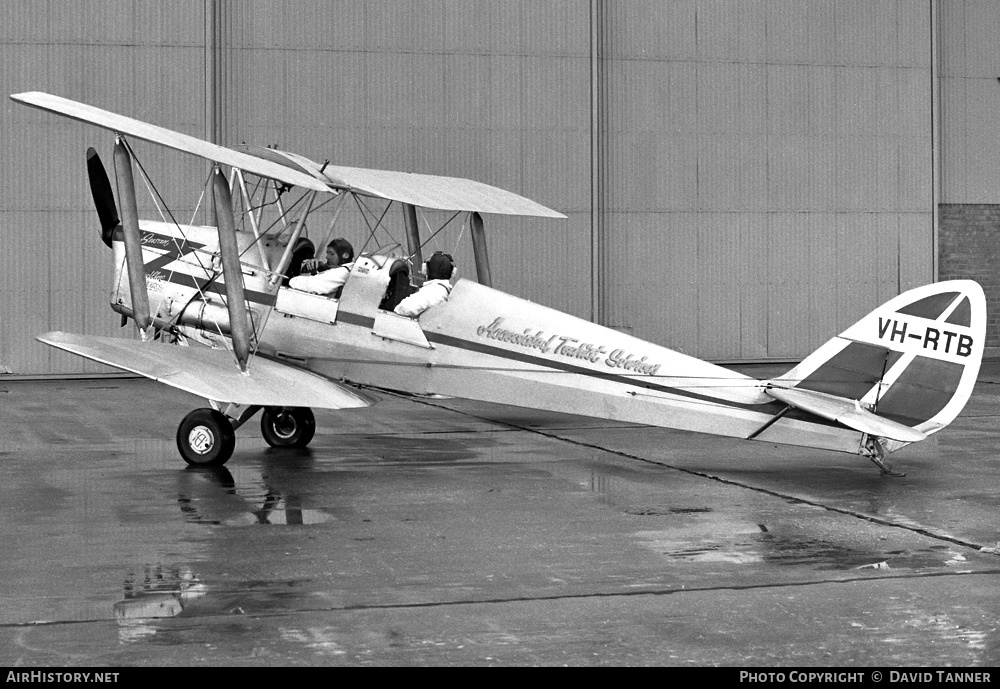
(480, 344)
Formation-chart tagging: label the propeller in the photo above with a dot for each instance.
(104, 198)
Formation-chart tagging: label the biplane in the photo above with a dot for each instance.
(217, 319)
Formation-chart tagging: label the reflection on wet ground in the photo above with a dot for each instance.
(211, 496)
(157, 592)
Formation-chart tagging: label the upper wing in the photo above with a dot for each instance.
(427, 191)
(169, 138)
(845, 411)
(210, 373)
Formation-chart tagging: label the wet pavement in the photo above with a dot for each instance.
(447, 532)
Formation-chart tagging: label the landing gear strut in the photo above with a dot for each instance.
(287, 426)
(206, 438)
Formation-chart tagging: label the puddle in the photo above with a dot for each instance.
(639, 495)
(412, 450)
(758, 544)
(155, 593)
(323, 641)
(660, 511)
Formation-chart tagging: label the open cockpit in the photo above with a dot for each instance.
(377, 282)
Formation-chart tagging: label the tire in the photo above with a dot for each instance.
(287, 426)
(206, 438)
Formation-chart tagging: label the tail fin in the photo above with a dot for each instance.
(914, 360)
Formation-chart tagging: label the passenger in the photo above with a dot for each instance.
(440, 269)
(326, 277)
(304, 249)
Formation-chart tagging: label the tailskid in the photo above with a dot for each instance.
(874, 448)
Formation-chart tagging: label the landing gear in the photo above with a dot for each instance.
(206, 438)
(287, 426)
(872, 448)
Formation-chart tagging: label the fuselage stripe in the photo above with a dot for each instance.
(187, 280)
(490, 350)
(175, 249)
(355, 319)
(173, 253)
(482, 348)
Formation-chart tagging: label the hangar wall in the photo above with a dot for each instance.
(769, 169)
(743, 178)
(493, 91)
(969, 93)
(145, 59)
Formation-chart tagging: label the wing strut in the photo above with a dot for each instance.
(133, 244)
(412, 234)
(479, 249)
(286, 256)
(230, 252)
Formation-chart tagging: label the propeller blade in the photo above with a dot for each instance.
(104, 198)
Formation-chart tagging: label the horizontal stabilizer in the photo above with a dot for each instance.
(212, 373)
(845, 411)
(165, 137)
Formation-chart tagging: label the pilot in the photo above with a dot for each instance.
(326, 277)
(440, 269)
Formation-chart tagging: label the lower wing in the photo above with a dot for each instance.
(211, 373)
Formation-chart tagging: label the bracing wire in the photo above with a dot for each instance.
(155, 193)
(362, 207)
(436, 232)
(458, 242)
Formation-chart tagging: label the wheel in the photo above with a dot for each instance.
(287, 426)
(206, 438)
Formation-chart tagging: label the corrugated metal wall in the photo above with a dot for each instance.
(764, 166)
(970, 100)
(770, 169)
(968, 91)
(145, 59)
(493, 91)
